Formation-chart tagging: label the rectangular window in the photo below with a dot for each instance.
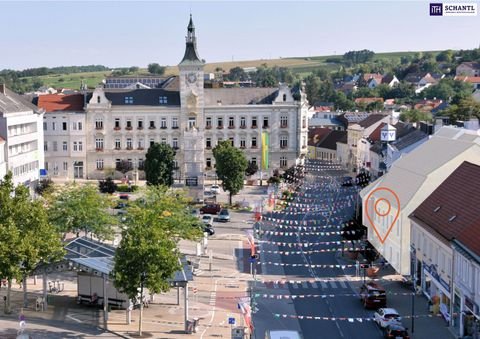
(283, 162)
(64, 126)
(55, 169)
(192, 122)
(140, 124)
(99, 143)
(242, 142)
(220, 122)
(265, 122)
(162, 100)
(98, 123)
(254, 122)
(163, 123)
(80, 146)
(129, 124)
(54, 126)
(243, 122)
(45, 146)
(304, 122)
(254, 161)
(174, 123)
(65, 166)
(75, 146)
(129, 100)
(99, 164)
(117, 123)
(254, 142)
(140, 143)
(208, 162)
(164, 140)
(152, 124)
(118, 143)
(55, 146)
(80, 126)
(44, 126)
(231, 122)
(129, 143)
(175, 143)
(283, 121)
(208, 123)
(65, 146)
(152, 141)
(208, 142)
(232, 140)
(283, 141)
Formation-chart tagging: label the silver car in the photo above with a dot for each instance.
(224, 215)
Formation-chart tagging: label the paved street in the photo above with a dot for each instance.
(303, 285)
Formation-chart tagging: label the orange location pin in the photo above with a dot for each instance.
(383, 202)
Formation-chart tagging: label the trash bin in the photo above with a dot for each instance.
(189, 327)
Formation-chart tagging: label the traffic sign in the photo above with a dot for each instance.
(231, 321)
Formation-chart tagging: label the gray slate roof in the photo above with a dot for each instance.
(11, 102)
(141, 97)
(239, 96)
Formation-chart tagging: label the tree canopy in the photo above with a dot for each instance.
(159, 164)
(156, 69)
(75, 208)
(231, 165)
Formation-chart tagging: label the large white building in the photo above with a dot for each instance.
(413, 178)
(120, 124)
(21, 138)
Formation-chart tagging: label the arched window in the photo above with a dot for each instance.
(98, 99)
(284, 97)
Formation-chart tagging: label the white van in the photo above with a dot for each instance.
(282, 335)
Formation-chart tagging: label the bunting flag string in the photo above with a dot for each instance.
(291, 234)
(307, 244)
(311, 251)
(323, 296)
(352, 319)
(304, 228)
(306, 265)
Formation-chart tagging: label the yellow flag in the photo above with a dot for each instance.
(265, 143)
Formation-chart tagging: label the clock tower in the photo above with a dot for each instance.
(192, 124)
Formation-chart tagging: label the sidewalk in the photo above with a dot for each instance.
(425, 325)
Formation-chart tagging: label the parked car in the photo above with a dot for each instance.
(283, 334)
(224, 215)
(396, 331)
(211, 209)
(207, 219)
(386, 316)
(215, 189)
(373, 295)
(208, 229)
(124, 196)
(121, 205)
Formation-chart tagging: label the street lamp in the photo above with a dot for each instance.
(142, 281)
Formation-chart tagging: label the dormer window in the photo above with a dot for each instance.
(284, 97)
(98, 99)
(129, 100)
(162, 100)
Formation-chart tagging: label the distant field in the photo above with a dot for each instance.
(299, 65)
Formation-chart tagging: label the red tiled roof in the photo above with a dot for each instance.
(317, 134)
(452, 210)
(472, 80)
(368, 100)
(378, 77)
(59, 102)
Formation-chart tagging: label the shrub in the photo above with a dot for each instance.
(125, 188)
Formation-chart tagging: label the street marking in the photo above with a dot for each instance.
(304, 284)
(294, 286)
(332, 284)
(74, 319)
(324, 284)
(342, 283)
(314, 285)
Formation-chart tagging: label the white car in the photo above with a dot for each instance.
(215, 189)
(207, 219)
(386, 316)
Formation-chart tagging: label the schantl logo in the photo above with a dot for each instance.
(436, 9)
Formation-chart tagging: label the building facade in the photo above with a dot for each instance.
(21, 131)
(120, 124)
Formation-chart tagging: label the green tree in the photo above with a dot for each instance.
(237, 74)
(156, 69)
(133, 69)
(231, 165)
(124, 166)
(415, 115)
(27, 238)
(464, 110)
(148, 255)
(252, 168)
(107, 186)
(75, 208)
(46, 186)
(159, 165)
(312, 88)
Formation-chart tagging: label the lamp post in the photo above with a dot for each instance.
(142, 281)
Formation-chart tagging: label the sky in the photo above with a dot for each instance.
(126, 33)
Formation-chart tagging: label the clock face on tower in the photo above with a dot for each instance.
(191, 78)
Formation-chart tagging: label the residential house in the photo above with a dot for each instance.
(315, 134)
(390, 80)
(427, 105)
(372, 80)
(445, 246)
(326, 146)
(22, 138)
(65, 133)
(367, 101)
(471, 69)
(326, 119)
(421, 81)
(413, 177)
(474, 81)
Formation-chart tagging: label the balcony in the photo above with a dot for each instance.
(208, 168)
(99, 149)
(117, 128)
(175, 127)
(152, 127)
(243, 126)
(265, 126)
(163, 127)
(220, 127)
(140, 148)
(129, 148)
(117, 148)
(208, 147)
(283, 126)
(283, 146)
(99, 128)
(254, 126)
(129, 128)
(176, 148)
(254, 147)
(208, 127)
(231, 127)
(140, 128)
(242, 147)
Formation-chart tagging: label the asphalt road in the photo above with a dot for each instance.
(330, 205)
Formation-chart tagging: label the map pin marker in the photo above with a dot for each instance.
(382, 204)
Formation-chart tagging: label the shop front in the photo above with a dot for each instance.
(437, 290)
(469, 319)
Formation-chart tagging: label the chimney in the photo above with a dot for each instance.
(3, 89)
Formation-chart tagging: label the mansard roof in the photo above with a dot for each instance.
(141, 97)
(239, 96)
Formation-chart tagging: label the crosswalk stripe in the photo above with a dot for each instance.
(314, 285)
(342, 283)
(295, 286)
(332, 284)
(304, 284)
(324, 284)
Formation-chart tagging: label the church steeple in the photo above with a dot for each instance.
(191, 53)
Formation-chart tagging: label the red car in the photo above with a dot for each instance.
(211, 209)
